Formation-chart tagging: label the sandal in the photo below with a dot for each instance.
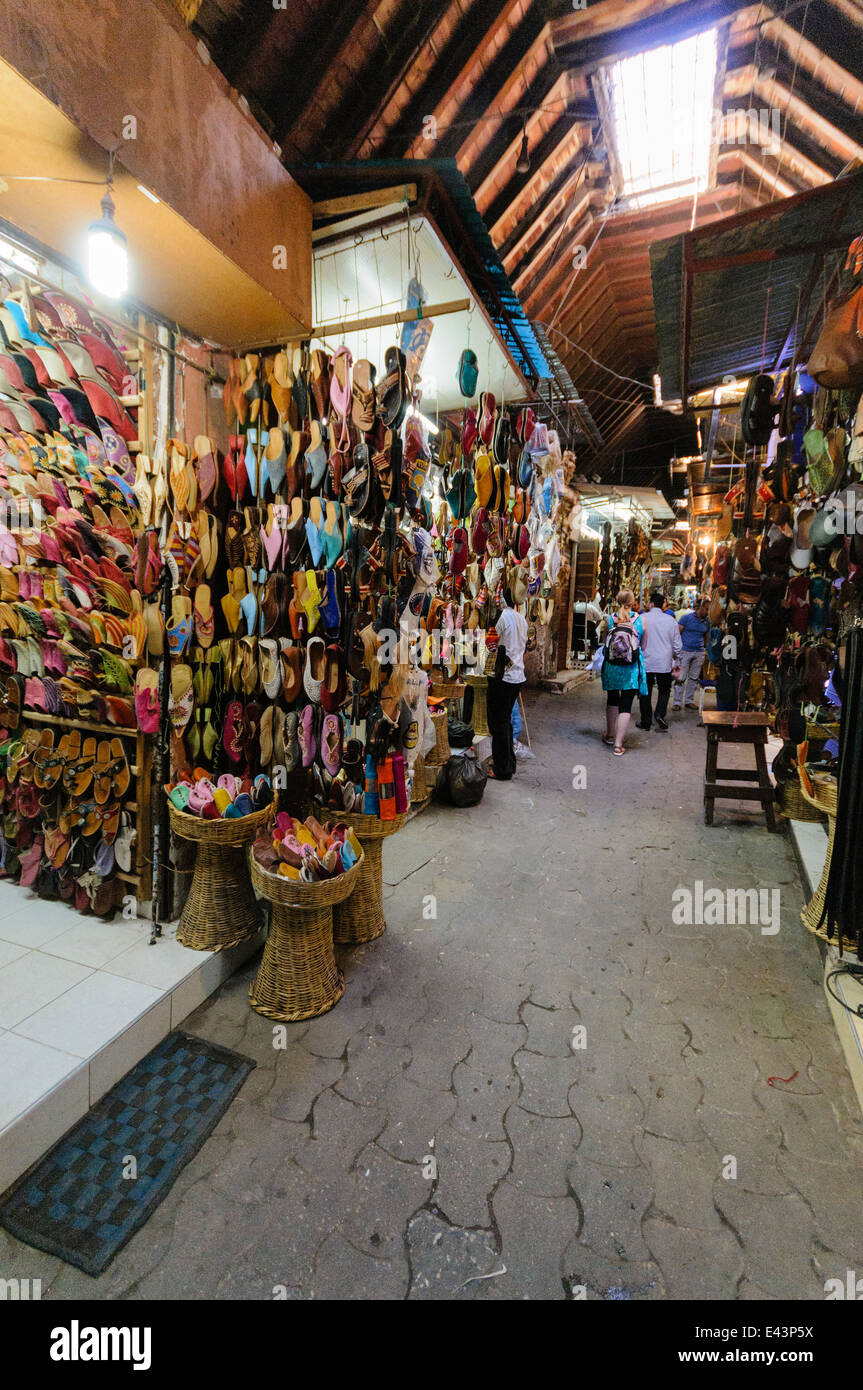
(78, 772)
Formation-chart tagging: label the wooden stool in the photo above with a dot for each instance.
(361, 918)
(730, 726)
(298, 976)
(221, 909)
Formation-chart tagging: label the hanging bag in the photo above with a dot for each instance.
(836, 360)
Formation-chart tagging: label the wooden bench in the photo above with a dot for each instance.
(729, 726)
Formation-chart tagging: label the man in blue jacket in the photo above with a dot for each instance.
(694, 629)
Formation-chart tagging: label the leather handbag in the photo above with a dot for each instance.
(836, 360)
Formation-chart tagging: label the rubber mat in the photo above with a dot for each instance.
(104, 1178)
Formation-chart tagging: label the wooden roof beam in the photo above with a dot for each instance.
(747, 83)
(395, 112)
(533, 229)
(509, 194)
(448, 110)
(584, 212)
(801, 52)
(543, 288)
(740, 158)
(607, 30)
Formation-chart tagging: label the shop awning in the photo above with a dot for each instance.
(447, 199)
(620, 505)
(727, 295)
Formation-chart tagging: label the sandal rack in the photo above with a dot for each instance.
(138, 807)
(136, 801)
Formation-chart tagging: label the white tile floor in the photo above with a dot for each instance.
(810, 838)
(81, 1001)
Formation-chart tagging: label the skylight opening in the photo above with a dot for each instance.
(661, 107)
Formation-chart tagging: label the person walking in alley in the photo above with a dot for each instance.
(694, 628)
(504, 688)
(623, 675)
(664, 644)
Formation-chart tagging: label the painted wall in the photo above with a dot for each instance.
(104, 62)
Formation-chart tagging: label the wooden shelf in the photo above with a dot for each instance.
(115, 730)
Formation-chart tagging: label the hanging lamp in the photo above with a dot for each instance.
(108, 256)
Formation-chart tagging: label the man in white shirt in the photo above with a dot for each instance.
(504, 689)
(664, 644)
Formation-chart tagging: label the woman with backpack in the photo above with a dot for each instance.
(623, 675)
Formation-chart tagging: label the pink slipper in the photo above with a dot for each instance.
(485, 426)
(200, 796)
(331, 743)
(147, 709)
(306, 735)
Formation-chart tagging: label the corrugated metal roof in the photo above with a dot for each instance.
(744, 277)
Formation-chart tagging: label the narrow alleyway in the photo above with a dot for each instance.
(443, 1122)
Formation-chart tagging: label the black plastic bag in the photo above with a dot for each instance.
(459, 733)
(464, 780)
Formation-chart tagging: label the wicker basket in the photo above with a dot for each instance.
(221, 909)
(239, 831)
(793, 804)
(441, 751)
(825, 793)
(298, 977)
(419, 786)
(294, 892)
(820, 733)
(824, 799)
(361, 917)
(479, 714)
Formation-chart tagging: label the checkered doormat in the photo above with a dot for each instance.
(103, 1180)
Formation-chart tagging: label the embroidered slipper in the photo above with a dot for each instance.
(306, 735)
(315, 669)
(181, 701)
(204, 616)
(179, 629)
(206, 465)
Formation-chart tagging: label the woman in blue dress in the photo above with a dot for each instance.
(623, 675)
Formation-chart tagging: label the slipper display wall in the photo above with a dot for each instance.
(330, 524)
(76, 784)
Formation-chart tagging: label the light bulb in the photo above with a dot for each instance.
(108, 258)
(522, 164)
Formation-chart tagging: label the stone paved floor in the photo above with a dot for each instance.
(601, 1166)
